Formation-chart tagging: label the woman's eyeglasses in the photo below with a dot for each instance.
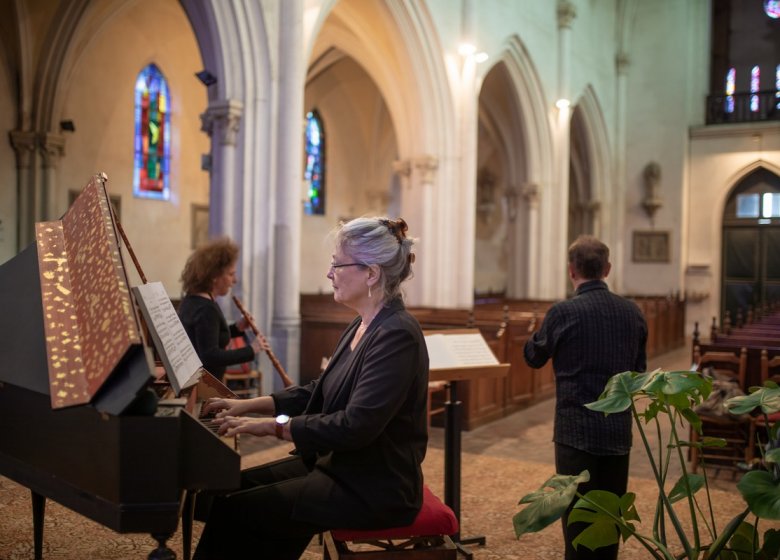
(334, 266)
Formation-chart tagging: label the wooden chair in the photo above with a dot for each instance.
(770, 371)
(241, 378)
(723, 366)
(427, 538)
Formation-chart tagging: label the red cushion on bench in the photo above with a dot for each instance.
(435, 518)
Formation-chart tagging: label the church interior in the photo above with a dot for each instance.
(500, 130)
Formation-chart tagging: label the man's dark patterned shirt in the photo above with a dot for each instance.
(590, 337)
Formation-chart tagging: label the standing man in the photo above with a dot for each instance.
(590, 337)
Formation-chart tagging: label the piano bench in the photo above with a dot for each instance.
(427, 538)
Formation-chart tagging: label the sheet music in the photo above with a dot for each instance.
(181, 362)
(458, 350)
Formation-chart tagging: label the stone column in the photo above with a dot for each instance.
(286, 320)
(221, 122)
(530, 194)
(27, 197)
(552, 284)
(417, 176)
(616, 215)
(52, 149)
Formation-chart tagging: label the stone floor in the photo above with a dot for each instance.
(501, 462)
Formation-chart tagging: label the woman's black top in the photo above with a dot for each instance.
(210, 334)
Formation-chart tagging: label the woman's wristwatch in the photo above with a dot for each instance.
(281, 421)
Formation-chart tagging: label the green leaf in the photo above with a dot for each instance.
(693, 419)
(762, 494)
(680, 490)
(765, 398)
(742, 540)
(618, 393)
(595, 509)
(772, 456)
(670, 383)
(548, 503)
(771, 548)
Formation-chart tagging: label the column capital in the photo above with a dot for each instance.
(402, 168)
(622, 62)
(427, 165)
(566, 14)
(23, 143)
(530, 192)
(223, 118)
(52, 148)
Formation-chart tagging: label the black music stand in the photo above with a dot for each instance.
(454, 426)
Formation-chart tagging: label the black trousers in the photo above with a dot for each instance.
(607, 472)
(256, 521)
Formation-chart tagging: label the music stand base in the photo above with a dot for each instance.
(468, 540)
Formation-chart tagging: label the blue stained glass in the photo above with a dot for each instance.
(731, 78)
(315, 164)
(755, 86)
(152, 141)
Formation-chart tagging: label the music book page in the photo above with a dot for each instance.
(458, 350)
(181, 362)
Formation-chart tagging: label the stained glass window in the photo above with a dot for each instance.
(772, 8)
(755, 87)
(777, 86)
(314, 173)
(731, 78)
(151, 173)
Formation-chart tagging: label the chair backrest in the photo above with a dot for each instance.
(730, 364)
(770, 367)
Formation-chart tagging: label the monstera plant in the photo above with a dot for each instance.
(609, 517)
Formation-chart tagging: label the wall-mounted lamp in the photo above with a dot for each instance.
(469, 50)
(206, 77)
(466, 49)
(67, 126)
(563, 103)
(652, 201)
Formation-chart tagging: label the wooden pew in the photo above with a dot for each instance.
(506, 325)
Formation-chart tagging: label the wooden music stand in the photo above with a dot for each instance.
(453, 428)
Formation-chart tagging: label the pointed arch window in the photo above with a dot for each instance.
(314, 174)
(152, 144)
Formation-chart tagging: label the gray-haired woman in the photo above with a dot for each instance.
(360, 429)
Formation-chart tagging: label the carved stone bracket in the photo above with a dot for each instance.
(223, 118)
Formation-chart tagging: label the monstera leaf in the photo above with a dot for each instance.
(761, 491)
(766, 398)
(547, 505)
(603, 511)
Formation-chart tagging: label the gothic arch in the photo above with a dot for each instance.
(532, 102)
(593, 134)
(537, 172)
(413, 83)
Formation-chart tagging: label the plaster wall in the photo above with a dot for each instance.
(149, 31)
(361, 148)
(720, 157)
(659, 86)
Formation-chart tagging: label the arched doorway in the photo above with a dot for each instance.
(501, 172)
(751, 244)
